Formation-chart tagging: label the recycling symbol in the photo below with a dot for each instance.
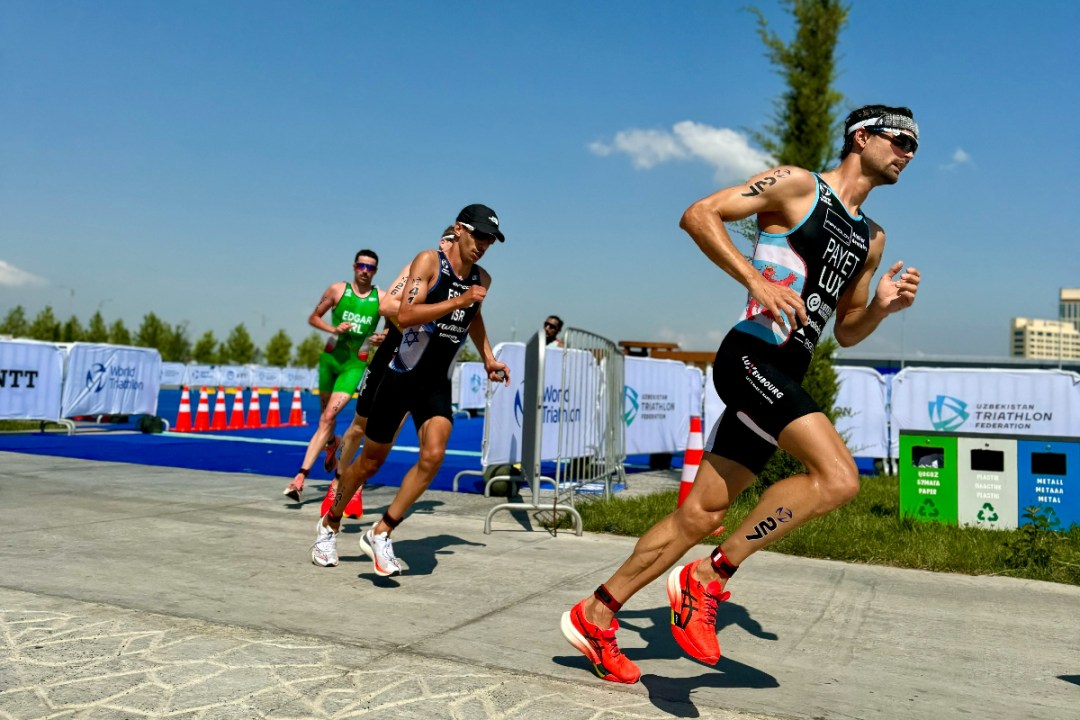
(988, 514)
(928, 509)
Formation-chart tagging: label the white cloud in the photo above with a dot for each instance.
(727, 151)
(959, 157)
(11, 276)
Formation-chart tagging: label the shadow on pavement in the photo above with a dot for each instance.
(1074, 679)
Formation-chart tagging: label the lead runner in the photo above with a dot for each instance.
(815, 256)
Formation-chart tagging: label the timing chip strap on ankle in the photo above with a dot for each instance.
(603, 595)
(721, 564)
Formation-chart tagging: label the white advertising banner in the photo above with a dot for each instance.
(1001, 402)
(695, 380)
(232, 376)
(862, 399)
(472, 385)
(296, 377)
(502, 421)
(196, 376)
(267, 377)
(575, 415)
(111, 380)
(172, 373)
(31, 380)
(714, 406)
(656, 406)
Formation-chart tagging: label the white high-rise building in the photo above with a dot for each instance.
(1045, 339)
(1069, 307)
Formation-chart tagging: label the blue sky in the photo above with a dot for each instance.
(220, 162)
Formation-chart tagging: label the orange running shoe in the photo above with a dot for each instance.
(328, 501)
(693, 613)
(355, 507)
(599, 646)
(330, 463)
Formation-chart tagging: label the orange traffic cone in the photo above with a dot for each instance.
(695, 447)
(236, 422)
(219, 411)
(273, 413)
(296, 412)
(202, 415)
(183, 416)
(254, 418)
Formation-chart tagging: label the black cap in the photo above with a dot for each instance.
(482, 218)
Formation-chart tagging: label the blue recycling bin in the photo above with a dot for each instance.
(1048, 475)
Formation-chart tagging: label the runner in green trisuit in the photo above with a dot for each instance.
(355, 309)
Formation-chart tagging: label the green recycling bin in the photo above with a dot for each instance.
(928, 470)
(987, 481)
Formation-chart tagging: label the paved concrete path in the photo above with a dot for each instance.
(129, 591)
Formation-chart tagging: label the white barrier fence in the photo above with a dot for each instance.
(31, 380)
(48, 381)
(581, 409)
(110, 380)
(1000, 402)
(196, 375)
(470, 385)
(55, 382)
(657, 406)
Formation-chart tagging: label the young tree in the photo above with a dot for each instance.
(153, 333)
(177, 344)
(97, 331)
(72, 330)
(15, 323)
(805, 127)
(278, 349)
(309, 350)
(239, 348)
(469, 354)
(45, 326)
(206, 349)
(119, 334)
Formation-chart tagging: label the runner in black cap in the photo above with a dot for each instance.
(441, 306)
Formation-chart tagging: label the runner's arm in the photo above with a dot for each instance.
(329, 299)
(496, 370)
(423, 270)
(855, 320)
(773, 194)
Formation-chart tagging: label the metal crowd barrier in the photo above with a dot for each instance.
(586, 412)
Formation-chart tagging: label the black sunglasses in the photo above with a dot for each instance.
(480, 234)
(551, 325)
(905, 143)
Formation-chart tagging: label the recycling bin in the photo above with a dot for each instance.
(1048, 472)
(928, 472)
(986, 482)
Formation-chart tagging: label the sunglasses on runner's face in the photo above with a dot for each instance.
(905, 143)
(551, 325)
(479, 234)
(366, 266)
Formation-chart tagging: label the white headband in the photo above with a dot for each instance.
(889, 120)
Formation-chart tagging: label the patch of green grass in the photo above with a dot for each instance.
(35, 425)
(870, 530)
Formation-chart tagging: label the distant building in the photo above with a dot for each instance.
(1069, 307)
(1046, 339)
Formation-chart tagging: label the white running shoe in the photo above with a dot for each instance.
(380, 548)
(324, 550)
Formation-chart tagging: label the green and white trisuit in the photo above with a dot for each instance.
(344, 360)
